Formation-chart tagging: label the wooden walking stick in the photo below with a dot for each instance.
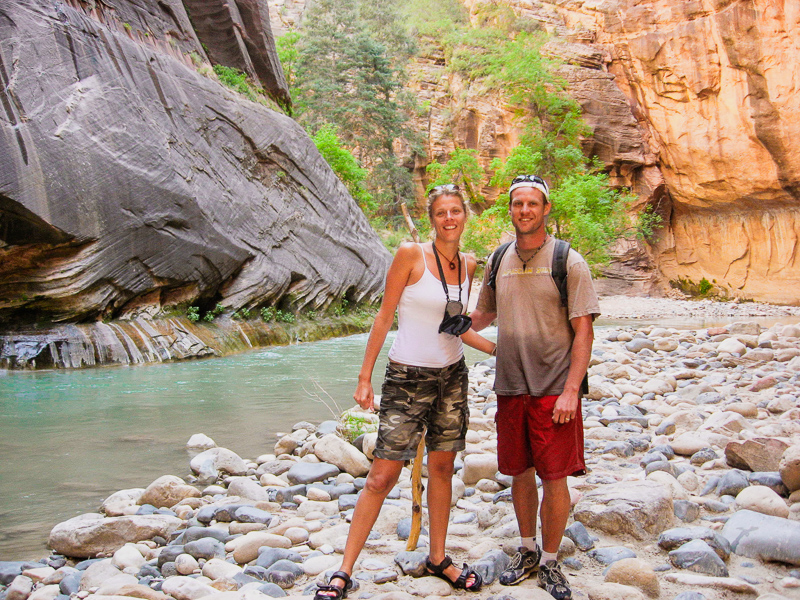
(416, 497)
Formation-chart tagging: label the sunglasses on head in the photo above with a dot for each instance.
(447, 188)
(530, 178)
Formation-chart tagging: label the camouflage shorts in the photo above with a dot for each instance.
(416, 397)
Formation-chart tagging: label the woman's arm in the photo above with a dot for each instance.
(396, 280)
(477, 341)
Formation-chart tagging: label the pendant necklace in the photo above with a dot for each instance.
(451, 262)
(535, 252)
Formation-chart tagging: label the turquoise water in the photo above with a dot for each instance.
(70, 439)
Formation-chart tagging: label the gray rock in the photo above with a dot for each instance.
(703, 456)
(169, 554)
(690, 596)
(686, 510)
(404, 529)
(251, 514)
(674, 538)
(716, 506)
(192, 534)
(622, 449)
(732, 483)
(286, 494)
(168, 569)
(206, 548)
(271, 590)
(269, 556)
(151, 170)
(770, 479)
(651, 457)
(610, 555)
(572, 563)
(665, 449)
(411, 563)
(768, 538)
(304, 472)
(709, 398)
(490, 565)
(699, 557)
(71, 584)
(285, 565)
(10, 569)
(639, 344)
(347, 501)
(659, 465)
(283, 579)
(578, 533)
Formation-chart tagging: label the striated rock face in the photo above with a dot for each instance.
(129, 182)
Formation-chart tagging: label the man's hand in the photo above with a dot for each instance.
(566, 407)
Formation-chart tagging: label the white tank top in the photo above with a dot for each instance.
(419, 313)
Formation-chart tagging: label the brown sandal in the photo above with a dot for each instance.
(461, 582)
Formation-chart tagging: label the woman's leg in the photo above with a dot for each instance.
(440, 494)
(383, 475)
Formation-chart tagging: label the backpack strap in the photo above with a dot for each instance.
(494, 261)
(559, 268)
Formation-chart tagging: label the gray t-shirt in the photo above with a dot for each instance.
(534, 335)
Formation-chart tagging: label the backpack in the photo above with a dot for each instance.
(558, 272)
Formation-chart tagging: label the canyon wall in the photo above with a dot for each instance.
(130, 182)
(693, 105)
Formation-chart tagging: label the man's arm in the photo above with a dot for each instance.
(567, 404)
(481, 319)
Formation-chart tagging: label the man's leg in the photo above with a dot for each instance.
(525, 497)
(555, 512)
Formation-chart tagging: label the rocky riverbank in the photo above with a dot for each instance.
(692, 439)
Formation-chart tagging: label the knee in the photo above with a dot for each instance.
(379, 483)
(440, 470)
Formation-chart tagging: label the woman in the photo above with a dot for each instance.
(425, 385)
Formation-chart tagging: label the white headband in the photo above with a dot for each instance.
(532, 184)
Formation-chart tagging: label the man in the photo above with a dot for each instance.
(543, 352)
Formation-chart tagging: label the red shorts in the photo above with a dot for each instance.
(527, 437)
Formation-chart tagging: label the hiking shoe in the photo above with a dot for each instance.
(523, 564)
(553, 581)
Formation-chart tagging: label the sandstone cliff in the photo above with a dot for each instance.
(129, 182)
(693, 105)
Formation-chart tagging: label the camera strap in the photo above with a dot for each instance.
(441, 273)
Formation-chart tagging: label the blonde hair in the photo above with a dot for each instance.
(448, 189)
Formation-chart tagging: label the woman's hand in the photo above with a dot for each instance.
(364, 396)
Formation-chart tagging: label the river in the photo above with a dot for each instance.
(68, 439)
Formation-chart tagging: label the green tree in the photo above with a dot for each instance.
(349, 72)
(345, 166)
(463, 169)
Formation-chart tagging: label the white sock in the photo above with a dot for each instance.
(529, 543)
(548, 556)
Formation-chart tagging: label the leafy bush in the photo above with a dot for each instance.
(345, 165)
(268, 313)
(241, 315)
(193, 314)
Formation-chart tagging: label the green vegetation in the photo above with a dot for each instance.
(705, 286)
(345, 165)
(347, 71)
(214, 313)
(353, 425)
(241, 83)
(193, 314)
